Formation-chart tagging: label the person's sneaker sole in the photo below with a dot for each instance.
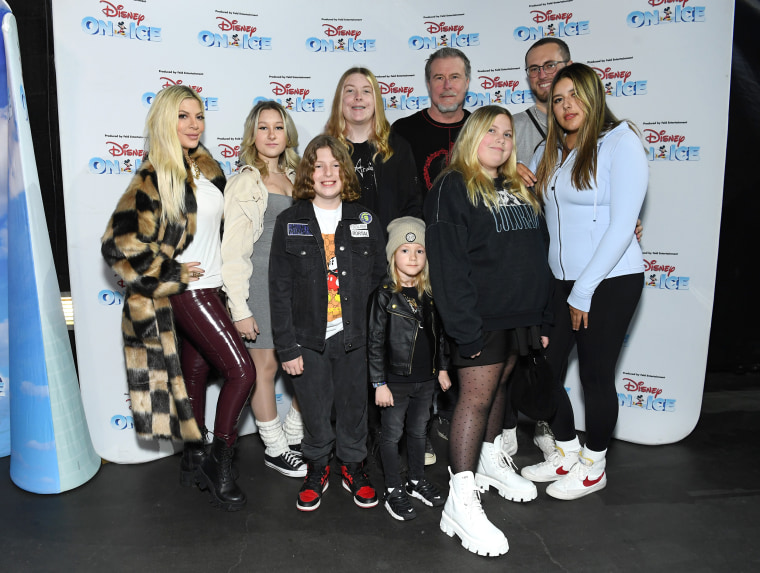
(451, 528)
(316, 505)
(363, 504)
(394, 515)
(575, 494)
(483, 483)
(285, 471)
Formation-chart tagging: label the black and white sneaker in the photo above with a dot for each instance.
(290, 463)
(398, 505)
(426, 492)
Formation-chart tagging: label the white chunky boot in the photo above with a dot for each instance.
(463, 515)
(496, 469)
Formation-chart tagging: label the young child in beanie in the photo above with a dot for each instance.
(406, 352)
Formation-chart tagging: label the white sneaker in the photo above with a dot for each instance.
(463, 515)
(544, 438)
(509, 441)
(586, 477)
(556, 466)
(498, 470)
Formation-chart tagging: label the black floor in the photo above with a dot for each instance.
(692, 506)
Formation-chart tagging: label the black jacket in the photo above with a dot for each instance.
(393, 332)
(488, 267)
(298, 276)
(397, 193)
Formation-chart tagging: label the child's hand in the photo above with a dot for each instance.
(444, 380)
(383, 396)
(293, 367)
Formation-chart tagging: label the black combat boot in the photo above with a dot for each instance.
(215, 474)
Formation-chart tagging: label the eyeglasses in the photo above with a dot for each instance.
(549, 68)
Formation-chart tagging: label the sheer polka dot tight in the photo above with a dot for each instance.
(479, 413)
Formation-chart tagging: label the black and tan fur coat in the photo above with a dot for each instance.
(142, 250)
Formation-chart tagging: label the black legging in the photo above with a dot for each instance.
(612, 308)
(208, 338)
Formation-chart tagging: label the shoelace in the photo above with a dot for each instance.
(225, 463)
(426, 489)
(313, 479)
(358, 479)
(292, 458)
(505, 461)
(400, 500)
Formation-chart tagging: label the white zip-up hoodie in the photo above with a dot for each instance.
(591, 230)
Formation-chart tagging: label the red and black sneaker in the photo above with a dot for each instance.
(314, 485)
(357, 482)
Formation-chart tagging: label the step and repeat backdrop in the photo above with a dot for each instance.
(665, 65)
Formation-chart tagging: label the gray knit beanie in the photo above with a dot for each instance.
(404, 230)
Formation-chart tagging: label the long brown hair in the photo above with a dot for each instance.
(303, 188)
(589, 93)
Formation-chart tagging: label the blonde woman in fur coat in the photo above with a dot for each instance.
(164, 240)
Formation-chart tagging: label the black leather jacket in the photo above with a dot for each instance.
(392, 333)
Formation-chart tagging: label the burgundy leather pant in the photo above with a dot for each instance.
(208, 338)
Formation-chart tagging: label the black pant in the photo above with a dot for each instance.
(411, 400)
(612, 308)
(333, 377)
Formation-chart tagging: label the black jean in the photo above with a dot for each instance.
(411, 401)
(333, 377)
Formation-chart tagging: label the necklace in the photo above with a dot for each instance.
(415, 308)
(194, 169)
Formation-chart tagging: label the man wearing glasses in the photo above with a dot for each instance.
(544, 59)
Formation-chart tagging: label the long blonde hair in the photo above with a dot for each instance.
(422, 280)
(589, 93)
(464, 159)
(165, 150)
(249, 155)
(336, 124)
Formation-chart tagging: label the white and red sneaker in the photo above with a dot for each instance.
(557, 465)
(587, 476)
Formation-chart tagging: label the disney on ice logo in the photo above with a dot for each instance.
(230, 163)
(396, 96)
(124, 159)
(665, 14)
(659, 276)
(504, 92)
(170, 82)
(665, 146)
(293, 98)
(616, 82)
(235, 35)
(449, 36)
(209, 103)
(340, 39)
(550, 24)
(644, 397)
(125, 24)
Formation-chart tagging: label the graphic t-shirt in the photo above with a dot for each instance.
(328, 222)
